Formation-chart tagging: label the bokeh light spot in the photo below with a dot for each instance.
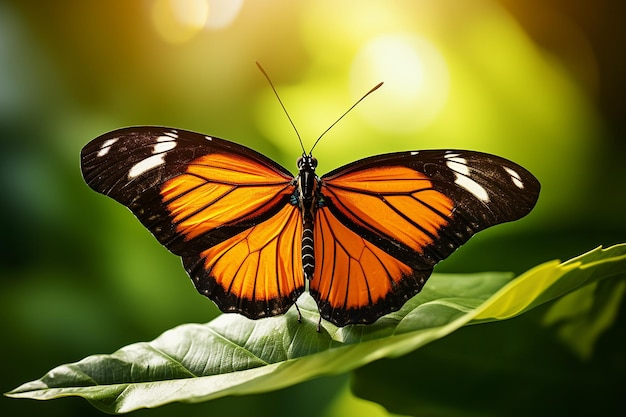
(178, 21)
(416, 81)
(222, 13)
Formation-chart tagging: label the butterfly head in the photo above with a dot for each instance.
(307, 163)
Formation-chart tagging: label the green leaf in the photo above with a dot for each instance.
(233, 355)
(564, 358)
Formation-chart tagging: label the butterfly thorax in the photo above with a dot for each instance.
(307, 182)
(307, 198)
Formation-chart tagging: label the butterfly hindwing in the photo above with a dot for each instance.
(258, 272)
(355, 281)
(400, 214)
(206, 199)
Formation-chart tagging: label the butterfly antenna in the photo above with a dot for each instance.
(267, 77)
(376, 87)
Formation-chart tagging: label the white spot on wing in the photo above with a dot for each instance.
(463, 178)
(172, 134)
(515, 177)
(458, 165)
(414, 153)
(146, 165)
(208, 138)
(106, 146)
(164, 144)
(472, 186)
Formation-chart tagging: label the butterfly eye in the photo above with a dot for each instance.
(307, 160)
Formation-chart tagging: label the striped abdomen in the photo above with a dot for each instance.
(308, 256)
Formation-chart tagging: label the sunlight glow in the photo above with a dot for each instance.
(179, 21)
(222, 13)
(416, 81)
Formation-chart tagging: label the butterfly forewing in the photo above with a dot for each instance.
(190, 190)
(207, 199)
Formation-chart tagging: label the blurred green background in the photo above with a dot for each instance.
(538, 82)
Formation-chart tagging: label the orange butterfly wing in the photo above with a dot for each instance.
(225, 209)
(258, 272)
(355, 281)
(385, 221)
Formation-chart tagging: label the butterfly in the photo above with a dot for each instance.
(364, 237)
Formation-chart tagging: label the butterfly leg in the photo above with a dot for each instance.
(299, 314)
